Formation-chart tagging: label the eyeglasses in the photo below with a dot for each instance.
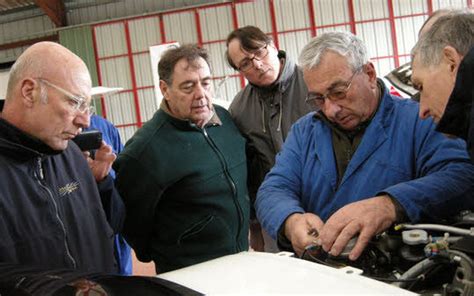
(77, 103)
(336, 94)
(258, 55)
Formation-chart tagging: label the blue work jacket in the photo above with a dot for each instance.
(429, 174)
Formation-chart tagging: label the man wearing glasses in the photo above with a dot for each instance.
(265, 109)
(51, 203)
(361, 162)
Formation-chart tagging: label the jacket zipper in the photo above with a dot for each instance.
(50, 195)
(231, 184)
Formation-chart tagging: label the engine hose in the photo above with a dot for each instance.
(414, 272)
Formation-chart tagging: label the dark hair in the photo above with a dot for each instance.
(251, 38)
(169, 59)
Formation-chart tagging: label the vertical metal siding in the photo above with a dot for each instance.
(291, 15)
(409, 7)
(254, 13)
(389, 28)
(219, 65)
(116, 72)
(438, 4)
(144, 32)
(111, 40)
(180, 27)
(126, 8)
(331, 12)
(148, 103)
(26, 28)
(79, 41)
(407, 33)
(216, 23)
(292, 43)
(370, 9)
(143, 69)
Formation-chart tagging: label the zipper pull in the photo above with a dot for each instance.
(40, 168)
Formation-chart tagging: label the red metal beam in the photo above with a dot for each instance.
(312, 18)
(198, 27)
(54, 9)
(391, 16)
(132, 75)
(99, 76)
(430, 7)
(274, 25)
(28, 42)
(235, 23)
(350, 4)
(162, 29)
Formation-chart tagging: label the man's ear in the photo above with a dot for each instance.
(452, 59)
(164, 89)
(28, 87)
(369, 69)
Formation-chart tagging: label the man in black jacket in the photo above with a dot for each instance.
(443, 63)
(55, 210)
(265, 109)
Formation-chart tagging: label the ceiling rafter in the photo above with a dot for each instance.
(54, 9)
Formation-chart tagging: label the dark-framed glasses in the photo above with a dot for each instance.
(247, 63)
(77, 103)
(335, 95)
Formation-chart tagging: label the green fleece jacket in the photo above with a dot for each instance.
(184, 189)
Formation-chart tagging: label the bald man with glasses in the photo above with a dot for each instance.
(361, 162)
(56, 212)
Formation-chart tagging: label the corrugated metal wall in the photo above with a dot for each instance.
(389, 28)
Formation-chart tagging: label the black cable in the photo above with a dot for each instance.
(388, 280)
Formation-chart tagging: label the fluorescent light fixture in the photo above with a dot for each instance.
(103, 90)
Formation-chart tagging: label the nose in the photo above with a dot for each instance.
(257, 63)
(331, 108)
(82, 120)
(424, 112)
(199, 92)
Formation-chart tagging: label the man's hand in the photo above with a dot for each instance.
(102, 163)
(301, 230)
(366, 217)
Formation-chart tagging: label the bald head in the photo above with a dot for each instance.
(46, 84)
(46, 60)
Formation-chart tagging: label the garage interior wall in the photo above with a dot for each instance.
(120, 47)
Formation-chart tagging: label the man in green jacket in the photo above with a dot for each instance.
(183, 174)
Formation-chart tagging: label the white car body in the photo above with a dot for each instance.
(255, 273)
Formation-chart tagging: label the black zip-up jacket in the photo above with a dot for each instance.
(51, 214)
(264, 116)
(458, 118)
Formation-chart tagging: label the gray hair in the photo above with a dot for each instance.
(456, 30)
(344, 43)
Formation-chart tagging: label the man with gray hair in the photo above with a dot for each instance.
(443, 67)
(361, 162)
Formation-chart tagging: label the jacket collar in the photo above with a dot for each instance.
(456, 117)
(375, 135)
(283, 81)
(214, 120)
(19, 145)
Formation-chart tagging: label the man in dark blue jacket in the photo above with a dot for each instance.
(51, 205)
(443, 63)
(111, 136)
